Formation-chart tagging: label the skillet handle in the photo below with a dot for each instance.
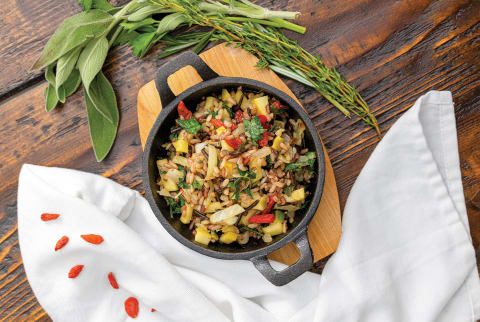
(290, 273)
(167, 69)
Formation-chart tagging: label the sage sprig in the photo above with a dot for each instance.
(77, 51)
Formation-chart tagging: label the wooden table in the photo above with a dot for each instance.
(393, 51)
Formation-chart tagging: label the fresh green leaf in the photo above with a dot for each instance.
(61, 94)
(102, 5)
(170, 22)
(269, 160)
(202, 43)
(131, 26)
(73, 32)
(125, 37)
(191, 125)
(229, 110)
(197, 185)
(213, 113)
(254, 128)
(247, 173)
(91, 61)
(65, 66)
(51, 99)
(147, 11)
(173, 136)
(182, 184)
(170, 50)
(141, 43)
(86, 4)
(72, 83)
(247, 190)
(102, 131)
(50, 74)
(181, 167)
(175, 207)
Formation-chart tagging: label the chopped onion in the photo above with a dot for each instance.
(227, 213)
(199, 147)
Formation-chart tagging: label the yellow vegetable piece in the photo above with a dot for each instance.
(261, 105)
(213, 207)
(229, 166)
(276, 143)
(168, 184)
(181, 146)
(202, 236)
(164, 192)
(233, 229)
(262, 203)
(161, 163)
(238, 95)
(180, 160)
(209, 103)
(256, 165)
(212, 161)
(228, 238)
(298, 195)
(227, 98)
(213, 235)
(221, 129)
(186, 216)
(245, 103)
(275, 228)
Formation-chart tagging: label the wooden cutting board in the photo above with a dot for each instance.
(325, 228)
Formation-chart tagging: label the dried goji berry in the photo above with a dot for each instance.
(47, 217)
(61, 243)
(131, 307)
(92, 238)
(264, 140)
(153, 310)
(75, 271)
(112, 280)
(217, 123)
(183, 111)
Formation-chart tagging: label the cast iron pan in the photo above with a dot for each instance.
(255, 251)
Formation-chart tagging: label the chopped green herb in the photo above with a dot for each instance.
(247, 173)
(254, 129)
(241, 148)
(191, 125)
(247, 190)
(182, 184)
(305, 204)
(175, 207)
(162, 172)
(180, 167)
(288, 190)
(269, 160)
(197, 185)
(213, 113)
(244, 228)
(173, 136)
(229, 110)
(307, 160)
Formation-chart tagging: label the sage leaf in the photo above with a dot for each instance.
(103, 98)
(170, 22)
(65, 65)
(102, 131)
(140, 44)
(72, 83)
(61, 93)
(131, 26)
(125, 37)
(102, 4)
(50, 74)
(145, 12)
(86, 4)
(91, 59)
(73, 32)
(50, 96)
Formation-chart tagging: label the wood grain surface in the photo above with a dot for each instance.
(325, 228)
(393, 51)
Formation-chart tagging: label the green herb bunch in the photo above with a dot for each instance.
(76, 52)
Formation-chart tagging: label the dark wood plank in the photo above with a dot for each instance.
(394, 51)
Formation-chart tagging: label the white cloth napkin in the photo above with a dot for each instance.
(405, 254)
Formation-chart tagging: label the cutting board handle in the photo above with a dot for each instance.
(185, 59)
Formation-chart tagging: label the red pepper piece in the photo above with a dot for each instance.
(262, 118)
(183, 111)
(239, 116)
(278, 105)
(270, 204)
(153, 310)
(234, 143)
(75, 271)
(262, 219)
(131, 307)
(264, 140)
(92, 239)
(61, 243)
(112, 280)
(217, 123)
(48, 217)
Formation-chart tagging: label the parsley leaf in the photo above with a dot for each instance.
(213, 113)
(247, 173)
(191, 125)
(197, 185)
(182, 184)
(254, 128)
(175, 207)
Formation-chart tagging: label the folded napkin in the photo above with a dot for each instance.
(405, 254)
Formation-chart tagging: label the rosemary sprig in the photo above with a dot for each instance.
(76, 52)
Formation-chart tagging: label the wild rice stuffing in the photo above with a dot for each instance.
(236, 168)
